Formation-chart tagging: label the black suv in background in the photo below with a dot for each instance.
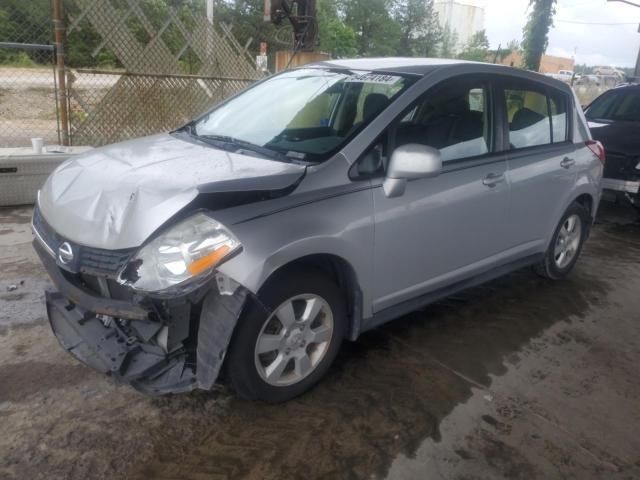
(614, 120)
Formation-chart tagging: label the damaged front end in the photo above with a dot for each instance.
(157, 343)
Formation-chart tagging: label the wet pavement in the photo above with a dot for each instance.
(521, 378)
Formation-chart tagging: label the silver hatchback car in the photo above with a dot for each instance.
(318, 204)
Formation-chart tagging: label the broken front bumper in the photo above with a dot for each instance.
(157, 345)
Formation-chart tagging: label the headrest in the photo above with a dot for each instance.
(373, 105)
(525, 117)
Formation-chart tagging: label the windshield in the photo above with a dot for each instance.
(616, 106)
(306, 114)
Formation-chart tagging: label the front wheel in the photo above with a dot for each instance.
(279, 355)
(566, 243)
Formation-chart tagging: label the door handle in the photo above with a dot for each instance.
(567, 162)
(493, 179)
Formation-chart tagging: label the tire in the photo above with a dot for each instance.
(255, 369)
(555, 266)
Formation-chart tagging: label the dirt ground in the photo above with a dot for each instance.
(28, 103)
(27, 106)
(522, 378)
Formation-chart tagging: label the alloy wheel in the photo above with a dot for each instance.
(568, 241)
(294, 340)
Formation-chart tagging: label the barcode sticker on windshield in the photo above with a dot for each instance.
(296, 155)
(379, 78)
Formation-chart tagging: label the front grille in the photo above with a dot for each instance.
(107, 263)
(90, 260)
(46, 233)
(113, 289)
(621, 167)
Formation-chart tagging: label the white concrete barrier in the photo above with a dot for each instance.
(23, 172)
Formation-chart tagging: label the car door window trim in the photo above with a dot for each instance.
(541, 150)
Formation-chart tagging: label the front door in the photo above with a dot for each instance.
(447, 228)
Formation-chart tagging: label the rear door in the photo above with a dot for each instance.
(542, 160)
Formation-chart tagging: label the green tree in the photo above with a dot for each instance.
(247, 19)
(420, 32)
(513, 45)
(448, 43)
(477, 48)
(500, 53)
(536, 32)
(25, 22)
(377, 33)
(336, 38)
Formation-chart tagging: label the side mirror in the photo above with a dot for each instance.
(409, 162)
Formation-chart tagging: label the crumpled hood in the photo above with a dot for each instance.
(115, 197)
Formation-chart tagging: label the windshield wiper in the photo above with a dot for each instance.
(266, 152)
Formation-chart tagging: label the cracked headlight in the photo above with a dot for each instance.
(188, 250)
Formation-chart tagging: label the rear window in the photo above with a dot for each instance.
(616, 106)
(528, 118)
(536, 117)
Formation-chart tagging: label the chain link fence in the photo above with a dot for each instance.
(138, 67)
(131, 68)
(590, 87)
(108, 106)
(28, 89)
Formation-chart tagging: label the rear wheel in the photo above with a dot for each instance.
(279, 355)
(566, 243)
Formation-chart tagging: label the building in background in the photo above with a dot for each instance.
(462, 17)
(548, 63)
(552, 64)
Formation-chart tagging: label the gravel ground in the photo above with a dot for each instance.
(28, 104)
(521, 378)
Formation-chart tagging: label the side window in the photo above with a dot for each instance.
(529, 118)
(453, 118)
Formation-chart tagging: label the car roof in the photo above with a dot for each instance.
(411, 65)
(418, 66)
(424, 66)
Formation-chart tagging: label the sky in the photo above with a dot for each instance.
(575, 32)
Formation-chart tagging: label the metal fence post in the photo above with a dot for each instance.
(59, 39)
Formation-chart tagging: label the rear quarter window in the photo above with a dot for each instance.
(536, 116)
(529, 118)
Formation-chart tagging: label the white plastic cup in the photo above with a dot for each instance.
(38, 145)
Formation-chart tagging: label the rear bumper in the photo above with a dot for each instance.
(627, 186)
(156, 345)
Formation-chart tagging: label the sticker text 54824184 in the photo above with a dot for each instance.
(379, 78)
